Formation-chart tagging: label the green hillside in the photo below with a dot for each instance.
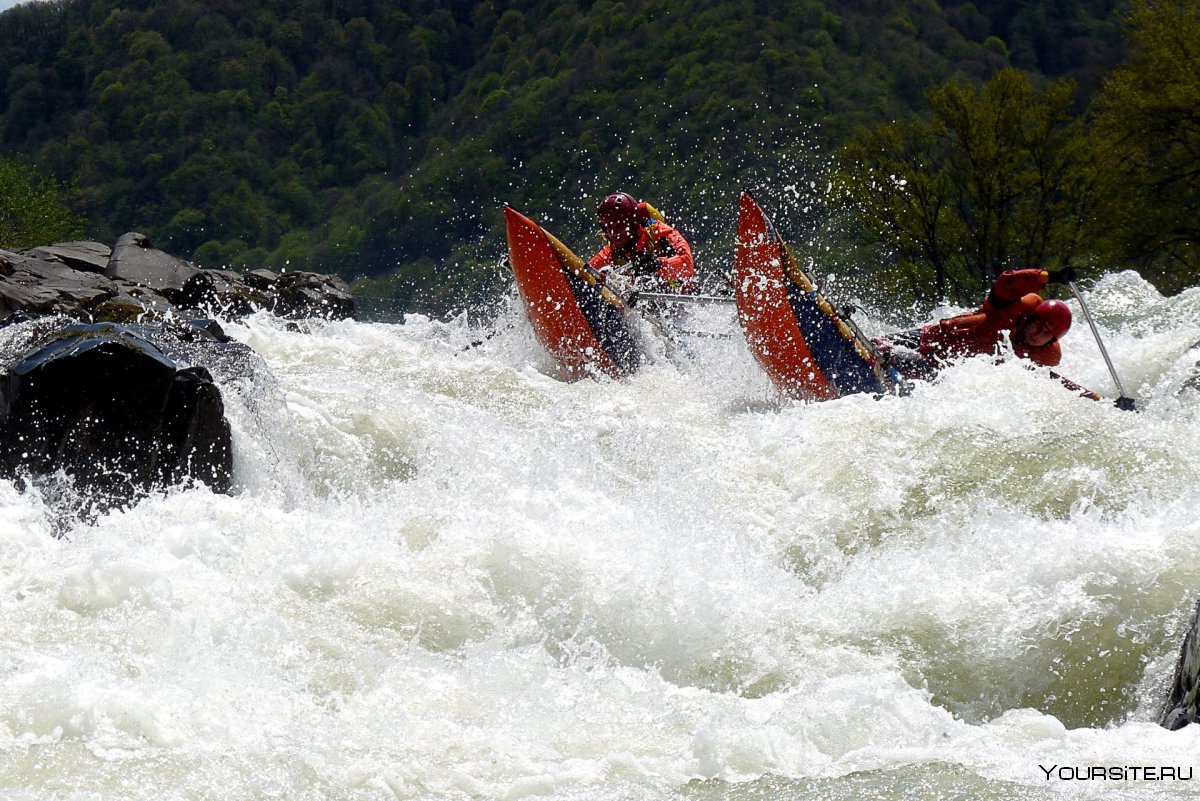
(379, 139)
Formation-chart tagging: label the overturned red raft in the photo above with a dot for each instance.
(579, 322)
(795, 334)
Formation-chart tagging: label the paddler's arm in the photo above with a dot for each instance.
(602, 259)
(1012, 285)
(1079, 389)
(606, 275)
(679, 265)
(1124, 404)
(668, 257)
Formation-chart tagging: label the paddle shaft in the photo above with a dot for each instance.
(1096, 333)
(700, 300)
(626, 301)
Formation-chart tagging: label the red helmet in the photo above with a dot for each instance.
(1056, 315)
(617, 207)
(618, 217)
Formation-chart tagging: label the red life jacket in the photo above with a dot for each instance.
(1007, 308)
(677, 270)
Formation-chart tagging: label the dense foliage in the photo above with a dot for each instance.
(1008, 176)
(34, 209)
(1148, 132)
(380, 138)
(996, 178)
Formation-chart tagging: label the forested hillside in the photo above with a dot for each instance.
(380, 138)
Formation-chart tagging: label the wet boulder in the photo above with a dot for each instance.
(52, 281)
(300, 295)
(104, 382)
(20, 302)
(1183, 701)
(119, 409)
(225, 293)
(69, 288)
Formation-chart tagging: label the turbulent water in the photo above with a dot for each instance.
(448, 574)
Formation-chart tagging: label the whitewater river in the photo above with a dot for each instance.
(447, 574)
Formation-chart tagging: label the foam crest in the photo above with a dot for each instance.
(447, 573)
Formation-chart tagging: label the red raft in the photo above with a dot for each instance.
(579, 322)
(807, 349)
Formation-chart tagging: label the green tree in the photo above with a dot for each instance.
(33, 209)
(398, 127)
(1149, 128)
(994, 178)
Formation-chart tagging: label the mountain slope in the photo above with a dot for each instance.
(377, 138)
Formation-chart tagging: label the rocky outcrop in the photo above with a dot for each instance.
(108, 356)
(120, 409)
(303, 295)
(1183, 701)
(133, 281)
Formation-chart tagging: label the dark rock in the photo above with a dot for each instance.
(29, 270)
(35, 287)
(223, 292)
(114, 410)
(300, 295)
(133, 304)
(261, 279)
(89, 257)
(73, 289)
(129, 399)
(212, 328)
(138, 282)
(195, 442)
(135, 259)
(19, 302)
(1182, 705)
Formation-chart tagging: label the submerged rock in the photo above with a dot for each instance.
(119, 409)
(1182, 705)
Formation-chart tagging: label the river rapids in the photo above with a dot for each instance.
(448, 574)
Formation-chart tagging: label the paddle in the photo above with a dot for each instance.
(1124, 402)
(495, 332)
(623, 300)
(700, 300)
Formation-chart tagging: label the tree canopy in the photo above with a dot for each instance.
(1148, 129)
(995, 178)
(380, 139)
(1008, 175)
(34, 209)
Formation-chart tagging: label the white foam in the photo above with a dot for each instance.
(447, 573)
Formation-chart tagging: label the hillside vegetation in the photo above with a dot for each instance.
(379, 139)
